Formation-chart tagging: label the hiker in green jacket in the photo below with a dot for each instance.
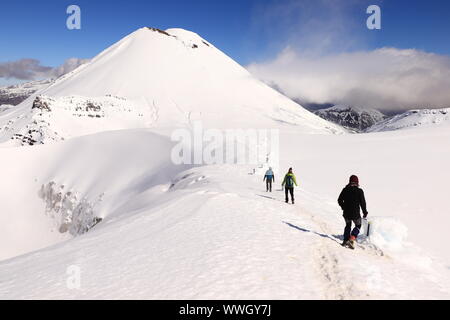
(288, 182)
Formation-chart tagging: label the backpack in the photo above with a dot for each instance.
(289, 181)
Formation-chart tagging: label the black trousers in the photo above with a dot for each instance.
(348, 227)
(288, 190)
(269, 185)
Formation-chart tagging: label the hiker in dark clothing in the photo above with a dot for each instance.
(289, 181)
(269, 177)
(351, 200)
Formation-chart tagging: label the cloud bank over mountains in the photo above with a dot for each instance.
(326, 55)
(32, 69)
(388, 79)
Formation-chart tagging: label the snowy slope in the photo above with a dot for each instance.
(414, 118)
(403, 174)
(212, 232)
(85, 177)
(351, 117)
(167, 78)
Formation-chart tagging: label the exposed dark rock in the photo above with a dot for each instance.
(38, 103)
(92, 107)
(159, 30)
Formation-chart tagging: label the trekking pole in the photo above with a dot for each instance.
(368, 227)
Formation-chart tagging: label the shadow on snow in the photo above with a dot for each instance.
(334, 238)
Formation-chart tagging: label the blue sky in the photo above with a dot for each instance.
(247, 30)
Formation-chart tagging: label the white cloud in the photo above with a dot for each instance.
(23, 69)
(67, 66)
(31, 69)
(388, 79)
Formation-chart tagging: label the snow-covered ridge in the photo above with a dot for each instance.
(414, 119)
(211, 232)
(55, 119)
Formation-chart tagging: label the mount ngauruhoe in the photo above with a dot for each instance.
(108, 203)
(154, 78)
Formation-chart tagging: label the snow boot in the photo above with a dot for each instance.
(346, 244)
(352, 242)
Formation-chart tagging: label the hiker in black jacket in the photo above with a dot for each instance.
(351, 200)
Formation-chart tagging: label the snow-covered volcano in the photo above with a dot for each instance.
(154, 78)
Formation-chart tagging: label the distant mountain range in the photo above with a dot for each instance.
(359, 119)
(353, 118)
(412, 119)
(15, 94)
